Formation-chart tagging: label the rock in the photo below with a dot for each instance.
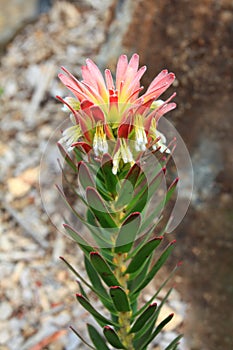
(13, 16)
(5, 310)
(20, 186)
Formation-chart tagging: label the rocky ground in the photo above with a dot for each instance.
(37, 291)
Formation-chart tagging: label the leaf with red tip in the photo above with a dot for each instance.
(78, 238)
(84, 176)
(103, 269)
(174, 343)
(144, 318)
(109, 178)
(128, 233)
(143, 254)
(98, 286)
(67, 158)
(85, 146)
(97, 316)
(156, 331)
(120, 299)
(96, 338)
(113, 338)
(125, 193)
(155, 268)
(99, 209)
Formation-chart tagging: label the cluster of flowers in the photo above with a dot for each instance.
(104, 111)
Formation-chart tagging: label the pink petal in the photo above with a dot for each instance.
(71, 76)
(134, 95)
(74, 85)
(88, 78)
(121, 69)
(158, 90)
(134, 62)
(162, 74)
(93, 94)
(97, 76)
(164, 79)
(109, 79)
(157, 113)
(135, 82)
(165, 109)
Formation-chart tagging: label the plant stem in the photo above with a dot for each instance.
(123, 317)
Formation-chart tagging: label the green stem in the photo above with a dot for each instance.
(123, 317)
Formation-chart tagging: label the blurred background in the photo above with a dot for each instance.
(192, 39)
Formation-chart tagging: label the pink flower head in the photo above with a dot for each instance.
(104, 109)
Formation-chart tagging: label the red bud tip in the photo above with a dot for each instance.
(159, 238)
(173, 242)
(179, 263)
(115, 287)
(153, 305)
(107, 327)
(78, 295)
(175, 181)
(94, 253)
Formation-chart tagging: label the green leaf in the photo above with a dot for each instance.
(125, 193)
(79, 153)
(77, 237)
(156, 267)
(157, 330)
(144, 253)
(103, 269)
(87, 306)
(137, 280)
(113, 338)
(99, 209)
(94, 278)
(156, 294)
(109, 178)
(104, 297)
(145, 192)
(171, 190)
(67, 158)
(143, 239)
(174, 343)
(96, 338)
(119, 299)
(98, 286)
(127, 233)
(68, 204)
(144, 318)
(142, 336)
(80, 337)
(133, 174)
(84, 176)
(76, 273)
(82, 291)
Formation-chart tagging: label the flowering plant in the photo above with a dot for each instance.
(113, 148)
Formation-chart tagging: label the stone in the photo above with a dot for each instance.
(5, 310)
